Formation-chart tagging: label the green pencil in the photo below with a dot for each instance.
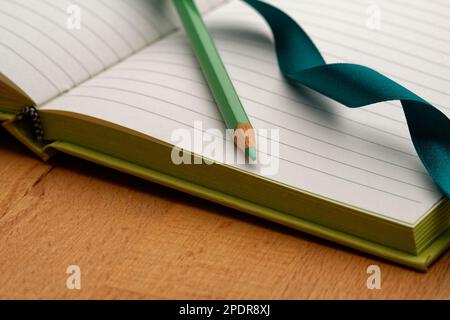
(217, 77)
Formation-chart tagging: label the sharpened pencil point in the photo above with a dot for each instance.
(219, 82)
(251, 153)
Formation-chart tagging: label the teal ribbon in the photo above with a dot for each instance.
(356, 86)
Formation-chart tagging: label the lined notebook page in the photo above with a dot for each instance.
(363, 158)
(45, 56)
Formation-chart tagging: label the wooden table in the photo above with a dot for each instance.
(134, 239)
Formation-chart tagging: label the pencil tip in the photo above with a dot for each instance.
(251, 153)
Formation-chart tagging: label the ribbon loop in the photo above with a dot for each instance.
(357, 86)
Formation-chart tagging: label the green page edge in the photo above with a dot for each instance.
(419, 262)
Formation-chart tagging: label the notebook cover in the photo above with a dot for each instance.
(21, 131)
(6, 116)
(420, 262)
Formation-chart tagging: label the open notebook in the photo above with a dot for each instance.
(115, 90)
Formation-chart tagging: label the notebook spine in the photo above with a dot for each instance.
(32, 114)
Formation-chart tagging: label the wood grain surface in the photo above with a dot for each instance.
(136, 240)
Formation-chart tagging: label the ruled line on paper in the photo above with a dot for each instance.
(244, 97)
(273, 63)
(67, 32)
(145, 110)
(278, 94)
(349, 159)
(209, 100)
(343, 8)
(65, 58)
(253, 116)
(340, 58)
(417, 6)
(43, 53)
(54, 85)
(145, 14)
(48, 37)
(222, 49)
(110, 25)
(361, 49)
(315, 107)
(406, 81)
(420, 16)
(441, 3)
(129, 22)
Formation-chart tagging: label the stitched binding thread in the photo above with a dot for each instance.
(32, 114)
